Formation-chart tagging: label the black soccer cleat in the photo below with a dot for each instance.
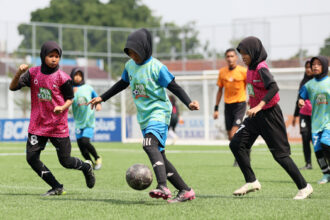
(55, 192)
(89, 175)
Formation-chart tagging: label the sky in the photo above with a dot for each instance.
(278, 25)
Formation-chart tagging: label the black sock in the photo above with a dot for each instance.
(83, 149)
(173, 175)
(33, 158)
(322, 162)
(242, 156)
(150, 146)
(293, 171)
(91, 149)
(306, 138)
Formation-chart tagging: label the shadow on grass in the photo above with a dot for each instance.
(275, 181)
(20, 194)
(113, 201)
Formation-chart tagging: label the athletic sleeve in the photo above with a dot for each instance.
(124, 76)
(303, 93)
(165, 77)
(179, 92)
(23, 81)
(271, 92)
(118, 87)
(267, 77)
(67, 90)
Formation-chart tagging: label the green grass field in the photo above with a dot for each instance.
(208, 169)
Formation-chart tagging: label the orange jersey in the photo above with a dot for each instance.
(234, 82)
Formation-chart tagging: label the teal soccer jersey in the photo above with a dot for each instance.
(318, 92)
(148, 83)
(83, 115)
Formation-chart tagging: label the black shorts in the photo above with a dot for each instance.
(38, 143)
(305, 124)
(270, 125)
(234, 114)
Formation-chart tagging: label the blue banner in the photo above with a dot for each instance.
(106, 129)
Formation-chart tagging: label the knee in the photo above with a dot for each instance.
(150, 143)
(31, 158)
(65, 162)
(234, 145)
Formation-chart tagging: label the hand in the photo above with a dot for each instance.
(22, 69)
(301, 103)
(294, 120)
(98, 107)
(194, 105)
(94, 102)
(253, 111)
(216, 114)
(58, 110)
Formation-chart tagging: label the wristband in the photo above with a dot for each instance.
(216, 108)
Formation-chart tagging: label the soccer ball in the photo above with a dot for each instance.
(139, 177)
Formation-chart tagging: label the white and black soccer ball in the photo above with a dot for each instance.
(139, 176)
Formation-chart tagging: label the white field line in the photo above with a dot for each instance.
(258, 150)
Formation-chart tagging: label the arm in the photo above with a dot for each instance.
(59, 109)
(17, 82)
(272, 88)
(68, 95)
(303, 95)
(217, 102)
(182, 95)
(115, 89)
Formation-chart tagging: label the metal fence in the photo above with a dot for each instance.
(283, 37)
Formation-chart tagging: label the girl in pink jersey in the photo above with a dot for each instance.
(51, 96)
(264, 118)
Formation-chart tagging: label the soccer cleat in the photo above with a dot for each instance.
(308, 166)
(160, 192)
(89, 175)
(325, 179)
(98, 164)
(55, 192)
(247, 187)
(183, 196)
(304, 193)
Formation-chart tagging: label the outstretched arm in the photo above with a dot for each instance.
(182, 95)
(15, 81)
(115, 89)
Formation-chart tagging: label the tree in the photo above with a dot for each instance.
(115, 13)
(325, 50)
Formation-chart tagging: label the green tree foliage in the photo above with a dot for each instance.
(115, 13)
(325, 50)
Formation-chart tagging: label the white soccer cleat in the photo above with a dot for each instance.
(248, 187)
(304, 193)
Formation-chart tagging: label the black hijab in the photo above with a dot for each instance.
(141, 42)
(306, 77)
(74, 72)
(325, 63)
(254, 48)
(46, 48)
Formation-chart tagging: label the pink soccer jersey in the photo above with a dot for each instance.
(45, 96)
